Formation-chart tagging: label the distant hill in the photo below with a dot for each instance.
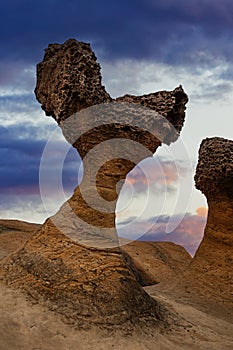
(13, 234)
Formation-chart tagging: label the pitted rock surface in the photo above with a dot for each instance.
(148, 120)
(69, 79)
(169, 104)
(214, 174)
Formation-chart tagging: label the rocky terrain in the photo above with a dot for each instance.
(72, 271)
(26, 324)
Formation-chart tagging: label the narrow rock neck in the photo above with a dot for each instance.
(220, 220)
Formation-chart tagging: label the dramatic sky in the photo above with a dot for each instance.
(143, 46)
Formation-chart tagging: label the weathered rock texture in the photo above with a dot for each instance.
(68, 80)
(170, 105)
(15, 226)
(92, 285)
(74, 66)
(214, 173)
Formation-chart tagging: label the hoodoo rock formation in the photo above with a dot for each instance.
(213, 261)
(208, 280)
(62, 264)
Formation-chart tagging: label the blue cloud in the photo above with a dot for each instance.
(20, 153)
(169, 31)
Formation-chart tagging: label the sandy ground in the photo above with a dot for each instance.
(28, 326)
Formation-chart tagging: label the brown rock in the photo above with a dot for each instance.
(151, 262)
(73, 262)
(68, 79)
(171, 104)
(214, 173)
(12, 226)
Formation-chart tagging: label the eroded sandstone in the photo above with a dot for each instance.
(74, 262)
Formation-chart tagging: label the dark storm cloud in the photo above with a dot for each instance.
(17, 74)
(175, 31)
(20, 153)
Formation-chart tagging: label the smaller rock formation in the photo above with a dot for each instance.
(213, 262)
(214, 173)
(208, 280)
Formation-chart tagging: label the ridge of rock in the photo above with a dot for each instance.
(13, 234)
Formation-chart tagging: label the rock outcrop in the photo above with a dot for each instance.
(170, 105)
(74, 262)
(214, 173)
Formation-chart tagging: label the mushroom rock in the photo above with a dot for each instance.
(74, 262)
